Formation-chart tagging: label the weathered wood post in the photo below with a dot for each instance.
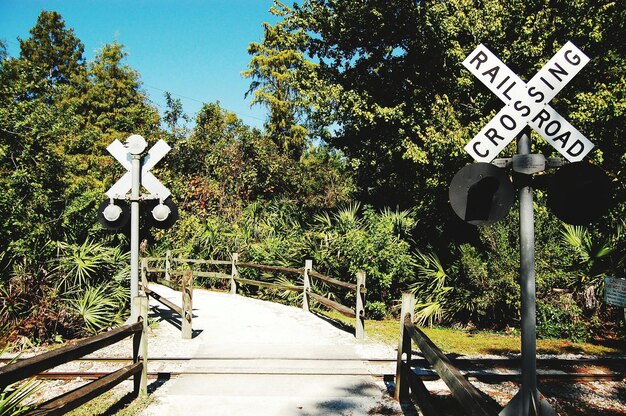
(360, 308)
(404, 346)
(306, 286)
(234, 273)
(168, 264)
(144, 273)
(187, 289)
(140, 347)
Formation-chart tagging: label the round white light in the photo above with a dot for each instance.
(136, 144)
(112, 212)
(161, 212)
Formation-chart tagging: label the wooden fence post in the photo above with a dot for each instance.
(140, 347)
(168, 265)
(404, 346)
(144, 273)
(234, 273)
(360, 308)
(187, 309)
(306, 286)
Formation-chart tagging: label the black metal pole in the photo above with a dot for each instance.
(527, 282)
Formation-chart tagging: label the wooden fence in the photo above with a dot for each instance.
(29, 367)
(408, 384)
(186, 288)
(150, 265)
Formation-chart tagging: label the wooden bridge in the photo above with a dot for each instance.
(249, 356)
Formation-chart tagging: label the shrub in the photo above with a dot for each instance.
(560, 318)
(375, 310)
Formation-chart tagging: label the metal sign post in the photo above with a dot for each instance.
(527, 105)
(132, 157)
(134, 233)
(530, 395)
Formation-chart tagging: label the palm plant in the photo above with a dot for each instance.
(79, 264)
(596, 258)
(430, 290)
(97, 307)
(402, 222)
(14, 396)
(348, 217)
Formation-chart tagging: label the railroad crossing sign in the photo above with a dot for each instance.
(123, 154)
(527, 104)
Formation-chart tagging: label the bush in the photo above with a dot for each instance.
(561, 318)
(375, 310)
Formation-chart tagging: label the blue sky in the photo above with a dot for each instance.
(194, 49)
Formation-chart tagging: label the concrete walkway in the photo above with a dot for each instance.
(252, 357)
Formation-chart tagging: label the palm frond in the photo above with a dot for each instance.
(96, 307)
(14, 396)
(427, 314)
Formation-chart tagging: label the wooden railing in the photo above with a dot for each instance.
(149, 265)
(29, 367)
(186, 288)
(408, 384)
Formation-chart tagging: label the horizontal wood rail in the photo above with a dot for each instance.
(192, 261)
(271, 268)
(32, 366)
(212, 275)
(80, 396)
(344, 310)
(469, 397)
(333, 281)
(163, 300)
(29, 367)
(268, 285)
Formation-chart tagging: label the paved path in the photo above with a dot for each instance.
(252, 357)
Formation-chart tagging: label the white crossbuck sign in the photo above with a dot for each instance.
(527, 104)
(148, 180)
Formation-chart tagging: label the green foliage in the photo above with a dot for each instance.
(31, 306)
(14, 396)
(595, 255)
(279, 71)
(54, 51)
(97, 307)
(561, 319)
(79, 264)
(366, 99)
(355, 239)
(430, 290)
(389, 76)
(376, 310)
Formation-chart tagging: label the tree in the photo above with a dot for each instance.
(32, 165)
(52, 50)
(102, 104)
(173, 115)
(274, 63)
(405, 106)
(55, 125)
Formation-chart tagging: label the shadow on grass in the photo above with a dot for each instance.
(128, 399)
(555, 347)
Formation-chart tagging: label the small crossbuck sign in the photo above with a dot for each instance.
(527, 104)
(148, 180)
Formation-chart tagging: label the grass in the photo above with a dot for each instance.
(462, 342)
(115, 402)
